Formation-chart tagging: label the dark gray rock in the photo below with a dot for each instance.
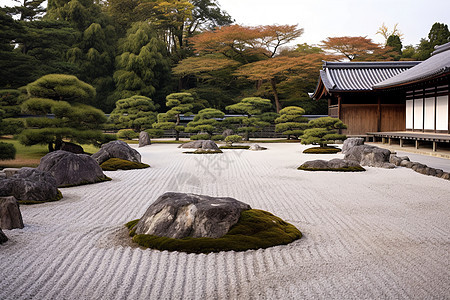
(179, 215)
(10, 216)
(71, 147)
(3, 237)
(406, 164)
(331, 164)
(227, 132)
(350, 143)
(71, 169)
(256, 147)
(30, 184)
(144, 139)
(205, 145)
(116, 149)
(371, 156)
(2, 175)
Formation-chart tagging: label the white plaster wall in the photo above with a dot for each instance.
(429, 113)
(442, 113)
(418, 113)
(409, 114)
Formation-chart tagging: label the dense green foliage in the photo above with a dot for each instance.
(256, 229)
(7, 151)
(323, 131)
(114, 164)
(205, 122)
(61, 95)
(291, 121)
(233, 139)
(136, 112)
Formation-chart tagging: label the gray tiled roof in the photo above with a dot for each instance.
(359, 76)
(437, 64)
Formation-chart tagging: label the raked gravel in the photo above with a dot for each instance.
(380, 234)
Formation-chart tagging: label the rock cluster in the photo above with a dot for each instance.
(256, 147)
(144, 139)
(370, 156)
(418, 167)
(203, 145)
(116, 149)
(180, 215)
(334, 164)
(71, 169)
(10, 216)
(29, 184)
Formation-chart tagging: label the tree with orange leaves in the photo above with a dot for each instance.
(353, 48)
(277, 69)
(246, 43)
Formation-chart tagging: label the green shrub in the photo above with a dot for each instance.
(235, 147)
(155, 133)
(127, 134)
(217, 137)
(233, 139)
(7, 151)
(322, 150)
(256, 229)
(114, 164)
(203, 136)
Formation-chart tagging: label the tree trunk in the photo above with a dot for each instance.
(275, 94)
(177, 135)
(50, 147)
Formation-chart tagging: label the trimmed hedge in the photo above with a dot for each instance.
(7, 151)
(114, 164)
(322, 150)
(256, 229)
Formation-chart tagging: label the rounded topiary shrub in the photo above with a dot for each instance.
(127, 134)
(322, 150)
(202, 136)
(114, 164)
(7, 151)
(256, 229)
(233, 139)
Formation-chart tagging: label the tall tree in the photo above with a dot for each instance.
(136, 112)
(205, 121)
(439, 34)
(143, 65)
(291, 121)
(386, 33)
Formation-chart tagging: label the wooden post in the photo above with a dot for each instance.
(379, 115)
(417, 144)
(390, 141)
(401, 142)
(434, 146)
(383, 140)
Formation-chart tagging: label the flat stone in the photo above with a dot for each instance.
(144, 139)
(116, 149)
(10, 216)
(330, 165)
(71, 169)
(256, 147)
(180, 215)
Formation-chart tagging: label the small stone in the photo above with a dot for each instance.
(445, 175)
(10, 216)
(144, 139)
(256, 147)
(227, 132)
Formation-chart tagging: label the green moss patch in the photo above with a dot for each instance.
(235, 147)
(256, 229)
(58, 197)
(322, 150)
(203, 152)
(349, 169)
(86, 182)
(114, 164)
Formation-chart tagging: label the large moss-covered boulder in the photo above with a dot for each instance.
(180, 215)
(337, 165)
(71, 169)
(29, 185)
(10, 216)
(116, 149)
(114, 164)
(204, 145)
(202, 224)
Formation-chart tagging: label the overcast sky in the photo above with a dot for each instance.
(329, 18)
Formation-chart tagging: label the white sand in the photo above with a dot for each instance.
(381, 234)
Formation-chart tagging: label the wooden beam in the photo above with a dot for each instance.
(379, 114)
